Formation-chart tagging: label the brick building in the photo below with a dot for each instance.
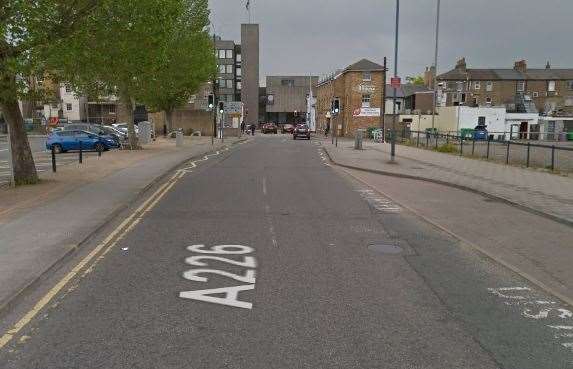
(521, 89)
(360, 89)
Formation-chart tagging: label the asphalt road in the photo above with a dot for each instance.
(325, 273)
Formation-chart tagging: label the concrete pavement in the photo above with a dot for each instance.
(34, 241)
(532, 189)
(327, 273)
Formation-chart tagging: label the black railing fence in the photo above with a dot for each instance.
(555, 156)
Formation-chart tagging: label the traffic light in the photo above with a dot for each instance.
(221, 107)
(336, 105)
(211, 101)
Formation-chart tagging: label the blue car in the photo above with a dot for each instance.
(480, 133)
(63, 141)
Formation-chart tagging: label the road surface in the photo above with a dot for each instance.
(265, 256)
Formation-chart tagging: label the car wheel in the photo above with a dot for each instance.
(99, 147)
(57, 148)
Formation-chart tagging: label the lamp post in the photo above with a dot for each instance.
(393, 135)
(434, 85)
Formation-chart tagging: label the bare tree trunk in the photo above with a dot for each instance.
(133, 140)
(169, 120)
(22, 160)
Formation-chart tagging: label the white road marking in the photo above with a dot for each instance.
(265, 186)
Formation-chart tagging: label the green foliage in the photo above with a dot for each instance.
(415, 80)
(448, 148)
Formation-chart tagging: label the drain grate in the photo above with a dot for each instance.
(385, 248)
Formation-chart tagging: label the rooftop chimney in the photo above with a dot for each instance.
(520, 66)
(547, 66)
(461, 65)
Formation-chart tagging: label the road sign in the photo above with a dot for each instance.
(395, 82)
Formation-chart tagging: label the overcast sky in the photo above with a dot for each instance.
(319, 36)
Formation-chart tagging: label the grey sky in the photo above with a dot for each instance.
(319, 36)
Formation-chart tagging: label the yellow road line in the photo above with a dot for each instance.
(106, 245)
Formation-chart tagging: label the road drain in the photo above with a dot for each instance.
(385, 248)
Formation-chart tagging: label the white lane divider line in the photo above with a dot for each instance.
(265, 186)
(379, 202)
(271, 226)
(97, 254)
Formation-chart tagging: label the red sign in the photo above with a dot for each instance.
(395, 82)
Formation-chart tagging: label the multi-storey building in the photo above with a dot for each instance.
(229, 70)
(360, 90)
(286, 100)
(521, 89)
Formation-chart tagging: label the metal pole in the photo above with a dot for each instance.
(507, 154)
(473, 145)
(81, 153)
(528, 150)
(383, 106)
(53, 159)
(215, 103)
(487, 154)
(393, 136)
(434, 75)
(418, 144)
(552, 157)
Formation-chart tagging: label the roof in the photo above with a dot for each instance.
(364, 65)
(405, 90)
(540, 74)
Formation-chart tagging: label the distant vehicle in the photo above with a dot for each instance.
(123, 127)
(480, 133)
(301, 130)
(112, 131)
(287, 128)
(67, 140)
(269, 128)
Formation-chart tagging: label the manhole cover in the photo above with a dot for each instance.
(385, 248)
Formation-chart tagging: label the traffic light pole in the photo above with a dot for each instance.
(214, 84)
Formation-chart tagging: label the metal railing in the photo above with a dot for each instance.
(556, 156)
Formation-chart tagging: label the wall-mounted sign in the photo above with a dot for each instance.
(366, 88)
(366, 112)
(395, 82)
(234, 107)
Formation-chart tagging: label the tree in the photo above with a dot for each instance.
(189, 61)
(415, 80)
(122, 46)
(27, 27)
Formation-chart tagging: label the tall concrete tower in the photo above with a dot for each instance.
(250, 71)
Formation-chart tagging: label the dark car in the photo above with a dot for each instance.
(269, 128)
(301, 130)
(287, 128)
(66, 140)
(480, 133)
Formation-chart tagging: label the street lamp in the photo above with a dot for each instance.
(434, 85)
(393, 136)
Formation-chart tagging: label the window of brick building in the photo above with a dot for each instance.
(570, 85)
(229, 69)
(221, 69)
(221, 54)
(229, 54)
(69, 107)
(460, 86)
(367, 76)
(551, 86)
(520, 86)
(535, 94)
(489, 86)
(477, 85)
(287, 82)
(366, 98)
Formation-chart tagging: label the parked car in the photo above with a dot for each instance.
(123, 127)
(67, 140)
(92, 128)
(287, 128)
(269, 128)
(301, 130)
(480, 133)
(112, 131)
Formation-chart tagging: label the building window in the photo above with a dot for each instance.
(488, 100)
(366, 98)
(68, 89)
(238, 71)
(112, 109)
(489, 86)
(229, 83)
(287, 82)
(221, 54)
(535, 94)
(221, 69)
(520, 86)
(460, 86)
(229, 54)
(239, 85)
(477, 85)
(481, 121)
(570, 85)
(229, 69)
(68, 107)
(238, 57)
(551, 86)
(367, 76)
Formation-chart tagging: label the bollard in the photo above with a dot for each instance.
(473, 145)
(427, 141)
(436, 141)
(461, 146)
(165, 130)
(53, 159)
(358, 140)
(99, 151)
(81, 153)
(179, 139)
(528, 149)
(418, 144)
(552, 157)
(507, 154)
(487, 155)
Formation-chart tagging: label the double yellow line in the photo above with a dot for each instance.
(100, 251)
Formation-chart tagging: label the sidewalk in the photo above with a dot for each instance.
(39, 225)
(537, 191)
